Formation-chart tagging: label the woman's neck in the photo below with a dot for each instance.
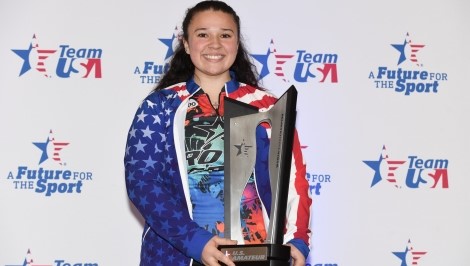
(212, 86)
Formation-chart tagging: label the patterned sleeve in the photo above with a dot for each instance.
(298, 206)
(152, 182)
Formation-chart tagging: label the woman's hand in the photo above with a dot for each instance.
(211, 255)
(297, 257)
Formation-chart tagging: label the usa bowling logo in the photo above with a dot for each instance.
(300, 66)
(413, 172)
(410, 256)
(409, 77)
(51, 176)
(30, 261)
(150, 71)
(63, 61)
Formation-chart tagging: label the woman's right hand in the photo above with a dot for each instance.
(211, 256)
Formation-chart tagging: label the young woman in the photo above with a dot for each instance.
(174, 154)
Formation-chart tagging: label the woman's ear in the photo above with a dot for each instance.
(186, 46)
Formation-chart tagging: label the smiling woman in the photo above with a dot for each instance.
(175, 150)
(212, 45)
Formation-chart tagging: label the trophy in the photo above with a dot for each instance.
(241, 121)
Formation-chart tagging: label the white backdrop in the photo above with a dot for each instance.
(366, 210)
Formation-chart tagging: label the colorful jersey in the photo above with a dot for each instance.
(156, 176)
(204, 130)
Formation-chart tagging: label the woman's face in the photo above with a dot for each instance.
(212, 44)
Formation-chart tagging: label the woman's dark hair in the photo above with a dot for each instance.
(181, 67)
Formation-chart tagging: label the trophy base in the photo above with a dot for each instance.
(258, 254)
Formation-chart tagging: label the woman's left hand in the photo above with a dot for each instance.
(297, 257)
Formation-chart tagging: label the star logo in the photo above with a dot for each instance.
(242, 148)
(280, 60)
(391, 167)
(408, 50)
(36, 55)
(28, 261)
(170, 43)
(46, 150)
(409, 257)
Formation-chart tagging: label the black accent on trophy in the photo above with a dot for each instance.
(240, 122)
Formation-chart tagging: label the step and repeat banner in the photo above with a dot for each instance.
(383, 117)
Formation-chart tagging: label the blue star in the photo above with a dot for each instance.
(132, 161)
(174, 200)
(149, 162)
(24, 54)
(187, 243)
(168, 111)
(144, 170)
(140, 146)
(401, 49)
(132, 132)
(150, 104)
(376, 166)
(171, 258)
(169, 44)
(156, 190)
(182, 229)
(171, 172)
(402, 256)
(177, 214)
(43, 147)
(147, 132)
(160, 252)
(150, 221)
(167, 146)
(149, 259)
(157, 119)
(165, 225)
(141, 116)
(140, 184)
(159, 208)
(130, 177)
(263, 59)
(132, 194)
(163, 137)
(168, 159)
(143, 202)
(157, 150)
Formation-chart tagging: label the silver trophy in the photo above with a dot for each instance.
(241, 121)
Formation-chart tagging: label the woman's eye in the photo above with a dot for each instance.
(202, 35)
(226, 35)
